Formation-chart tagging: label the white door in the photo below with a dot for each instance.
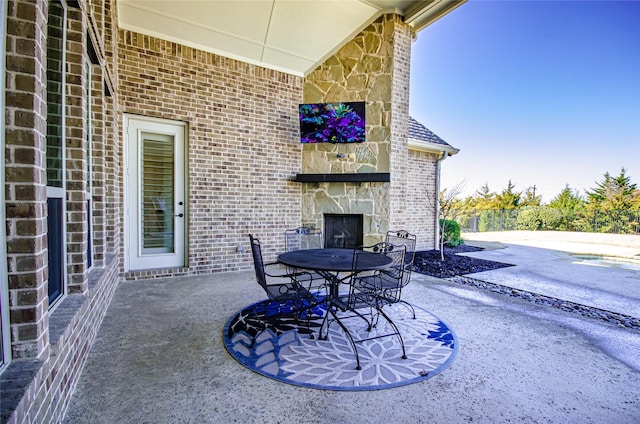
(155, 193)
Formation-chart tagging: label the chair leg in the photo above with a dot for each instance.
(409, 306)
(330, 310)
(396, 331)
(351, 341)
(305, 313)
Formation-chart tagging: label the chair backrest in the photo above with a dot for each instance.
(302, 238)
(397, 253)
(403, 237)
(258, 263)
(367, 286)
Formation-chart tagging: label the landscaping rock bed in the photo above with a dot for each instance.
(429, 262)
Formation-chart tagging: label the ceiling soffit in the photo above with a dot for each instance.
(293, 36)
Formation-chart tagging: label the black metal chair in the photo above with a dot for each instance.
(381, 286)
(404, 238)
(364, 298)
(290, 288)
(302, 238)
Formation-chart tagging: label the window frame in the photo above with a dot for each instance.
(5, 334)
(89, 160)
(54, 191)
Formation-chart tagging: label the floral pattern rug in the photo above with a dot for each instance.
(266, 338)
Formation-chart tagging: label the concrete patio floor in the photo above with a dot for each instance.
(159, 358)
(548, 263)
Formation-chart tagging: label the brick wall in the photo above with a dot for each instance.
(113, 148)
(49, 347)
(40, 391)
(399, 218)
(25, 190)
(420, 200)
(98, 139)
(242, 145)
(75, 155)
(413, 190)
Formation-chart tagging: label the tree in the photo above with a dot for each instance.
(508, 198)
(447, 202)
(529, 197)
(483, 198)
(571, 207)
(567, 199)
(613, 193)
(610, 201)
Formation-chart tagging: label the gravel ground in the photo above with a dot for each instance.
(429, 262)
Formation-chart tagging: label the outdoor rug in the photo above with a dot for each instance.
(288, 350)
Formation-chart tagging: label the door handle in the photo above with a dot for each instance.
(179, 215)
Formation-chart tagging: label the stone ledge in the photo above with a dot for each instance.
(369, 177)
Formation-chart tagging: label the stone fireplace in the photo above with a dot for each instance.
(378, 180)
(347, 202)
(343, 230)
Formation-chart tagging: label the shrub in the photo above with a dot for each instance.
(539, 218)
(451, 233)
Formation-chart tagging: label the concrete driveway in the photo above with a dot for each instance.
(159, 358)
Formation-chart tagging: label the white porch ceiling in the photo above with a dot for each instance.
(292, 36)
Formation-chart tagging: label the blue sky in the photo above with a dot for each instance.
(542, 93)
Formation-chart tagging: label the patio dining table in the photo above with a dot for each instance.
(334, 265)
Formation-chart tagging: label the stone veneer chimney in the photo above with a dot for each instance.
(373, 67)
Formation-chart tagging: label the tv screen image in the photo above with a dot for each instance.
(332, 122)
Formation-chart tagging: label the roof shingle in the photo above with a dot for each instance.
(419, 132)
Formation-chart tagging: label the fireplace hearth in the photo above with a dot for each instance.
(343, 231)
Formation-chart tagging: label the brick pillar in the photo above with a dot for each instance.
(114, 180)
(399, 153)
(113, 148)
(26, 195)
(98, 140)
(76, 154)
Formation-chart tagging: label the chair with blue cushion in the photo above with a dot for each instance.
(290, 289)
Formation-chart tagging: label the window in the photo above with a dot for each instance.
(89, 155)
(55, 151)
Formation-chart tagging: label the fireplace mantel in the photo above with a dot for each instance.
(370, 177)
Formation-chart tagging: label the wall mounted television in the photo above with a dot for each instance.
(342, 122)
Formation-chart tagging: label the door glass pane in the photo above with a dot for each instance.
(157, 191)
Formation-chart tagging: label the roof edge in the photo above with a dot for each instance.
(423, 15)
(424, 146)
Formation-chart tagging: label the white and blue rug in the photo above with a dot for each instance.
(283, 348)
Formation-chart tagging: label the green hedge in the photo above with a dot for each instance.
(539, 218)
(451, 233)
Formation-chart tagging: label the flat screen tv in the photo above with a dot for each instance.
(332, 122)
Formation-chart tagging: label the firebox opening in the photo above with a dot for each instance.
(343, 231)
